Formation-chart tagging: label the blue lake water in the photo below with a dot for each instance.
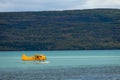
(64, 65)
(12, 59)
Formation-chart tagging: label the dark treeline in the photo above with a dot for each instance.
(60, 30)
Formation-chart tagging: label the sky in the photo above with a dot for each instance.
(50, 5)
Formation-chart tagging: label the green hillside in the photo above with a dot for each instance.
(60, 30)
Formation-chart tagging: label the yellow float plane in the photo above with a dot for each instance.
(40, 57)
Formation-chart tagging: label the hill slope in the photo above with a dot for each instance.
(60, 30)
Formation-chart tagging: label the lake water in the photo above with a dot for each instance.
(11, 61)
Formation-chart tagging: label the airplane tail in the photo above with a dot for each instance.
(23, 56)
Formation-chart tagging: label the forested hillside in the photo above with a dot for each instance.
(60, 30)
